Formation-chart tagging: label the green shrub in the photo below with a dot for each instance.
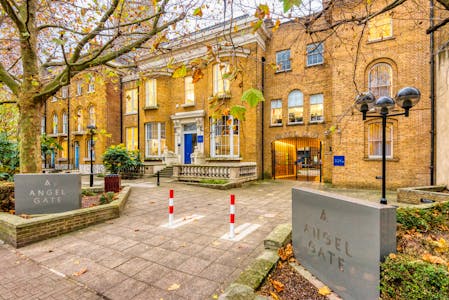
(87, 193)
(424, 219)
(267, 175)
(9, 158)
(403, 277)
(117, 158)
(107, 198)
(214, 181)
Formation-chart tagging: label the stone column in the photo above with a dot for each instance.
(200, 131)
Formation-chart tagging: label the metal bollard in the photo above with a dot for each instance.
(158, 179)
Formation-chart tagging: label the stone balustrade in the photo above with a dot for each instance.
(233, 172)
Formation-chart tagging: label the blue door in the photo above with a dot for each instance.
(77, 155)
(52, 160)
(188, 147)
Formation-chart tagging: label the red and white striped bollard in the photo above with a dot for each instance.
(232, 218)
(171, 208)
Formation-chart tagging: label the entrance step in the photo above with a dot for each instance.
(167, 172)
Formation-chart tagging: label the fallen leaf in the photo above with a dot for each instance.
(274, 296)
(216, 243)
(324, 291)
(136, 229)
(215, 296)
(441, 246)
(285, 253)
(80, 272)
(392, 256)
(279, 286)
(76, 262)
(433, 259)
(174, 287)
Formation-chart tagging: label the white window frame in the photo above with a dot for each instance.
(92, 115)
(151, 92)
(65, 123)
(292, 105)
(89, 144)
(79, 119)
(315, 52)
(375, 88)
(91, 85)
(283, 63)
(43, 125)
(225, 128)
(161, 135)
(189, 91)
(378, 140)
(221, 86)
(55, 123)
(277, 107)
(79, 88)
(319, 97)
(133, 95)
(64, 92)
(53, 99)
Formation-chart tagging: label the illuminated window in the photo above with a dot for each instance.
(221, 86)
(65, 123)
(79, 88)
(189, 91)
(64, 150)
(225, 141)
(315, 54)
(283, 60)
(64, 92)
(131, 138)
(316, 108)
(79, 120)
(379, 28)
(131, 101)
(91, 86)
(375, 140)
(154, 139)
(276, 112)
(295, 107)
(379, 80)
(151, 93)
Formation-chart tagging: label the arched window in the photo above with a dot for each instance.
(92, 115)
(380, 80)
(79, 120)
(55, 123)
(295, 107)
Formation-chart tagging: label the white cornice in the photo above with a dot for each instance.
(190, 114)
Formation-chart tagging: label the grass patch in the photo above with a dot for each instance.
(213, 181)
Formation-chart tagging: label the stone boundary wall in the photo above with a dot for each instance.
(414, 195)
(19, 232)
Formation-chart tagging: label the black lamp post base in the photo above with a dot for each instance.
(383, 200)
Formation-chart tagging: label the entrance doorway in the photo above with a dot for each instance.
(297, 158)
(77, 155)
(190, 141)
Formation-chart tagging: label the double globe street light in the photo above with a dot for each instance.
(365, 102)
(91, 128)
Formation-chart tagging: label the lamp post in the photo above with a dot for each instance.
(405, 98)
(91, 128)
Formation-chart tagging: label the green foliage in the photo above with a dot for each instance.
(9, 157)
(213, 181)
(238, 112)
(180, 72)
(117, 158)
(87, 193)
(253, 97)
(288, 4)
(424, 219)
(405, 278)
(107, 198)
(49, 145)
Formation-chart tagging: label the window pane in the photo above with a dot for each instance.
(379, 80)
(225, 137)
(189, 90)
(131, 138)
(375, 140)
(315, 54)
(221, 86)
(316, 108)
(150, 92)
(276, 112)
(131, 101)
(283, 60)
(379, 28)
(154, 139)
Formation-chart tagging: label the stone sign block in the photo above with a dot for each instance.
(342, 240)
(47, 193)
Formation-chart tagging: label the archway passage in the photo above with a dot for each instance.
(297, 159)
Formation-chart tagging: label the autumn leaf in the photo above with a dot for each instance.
(198, 12)
(262, 11)
(392, 256)
(274, 296)
(288, 4)
(433, 259)
(285, 253)
(253, 97)
(441, 246)
(197, 75)
(238, 112)
(79, 273)
(276, 25)
(279, 286)
(180, 72)
(324, 291)
(174, 287)
(256, 25)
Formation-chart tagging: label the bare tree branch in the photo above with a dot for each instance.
(437, 26)
(13, 14)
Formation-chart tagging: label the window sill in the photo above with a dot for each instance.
(63, 134)
(276, 125)
(88, 159)
(53, 135)
(78, 132)
(380, 40)
(224, 158)
(283, 71)
(393, 159)
(315, 65)
(151, 107)
(222, 96)
(153, 158)
(187, 105)
(131, 113)
(316, 122)
(295, 123)
(62, 159)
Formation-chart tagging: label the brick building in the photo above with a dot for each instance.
(307, 128)
(91, 99)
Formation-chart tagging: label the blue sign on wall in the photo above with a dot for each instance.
(339, 161)
(200, 139)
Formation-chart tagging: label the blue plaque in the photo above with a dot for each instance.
(200, 139)
(339, 161)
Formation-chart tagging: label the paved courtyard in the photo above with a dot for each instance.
(133, 257)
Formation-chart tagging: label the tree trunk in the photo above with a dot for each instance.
(29, 135)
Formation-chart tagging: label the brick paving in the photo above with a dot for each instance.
(134, 258)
